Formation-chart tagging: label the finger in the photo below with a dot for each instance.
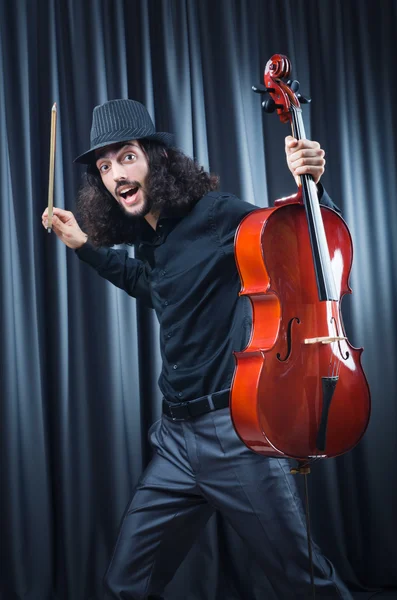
(55, 211)
(315, 172)
(307, 169)
(65, 216)
(316, 161)
(58, 225)
(54, 227)
(303, 143)
(306, 157)
(62, 214)
(44, 220)
(307, 152)
(57, 220)
(290, 142)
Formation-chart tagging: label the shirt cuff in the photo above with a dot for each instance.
(91, 255)
(324, 198)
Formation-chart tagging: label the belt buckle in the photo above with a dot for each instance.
(170, 407)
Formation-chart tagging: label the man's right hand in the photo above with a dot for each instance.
(65, 226)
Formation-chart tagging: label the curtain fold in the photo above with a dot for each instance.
(79, 359)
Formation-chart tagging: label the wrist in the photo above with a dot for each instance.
(81, 242)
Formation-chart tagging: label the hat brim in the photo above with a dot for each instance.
(89, 157)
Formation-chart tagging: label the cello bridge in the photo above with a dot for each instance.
(324, 340)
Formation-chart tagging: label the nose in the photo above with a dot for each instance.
(118, 171)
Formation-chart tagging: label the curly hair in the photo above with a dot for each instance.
(174, 184)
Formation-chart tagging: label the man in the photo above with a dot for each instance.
(140, 189)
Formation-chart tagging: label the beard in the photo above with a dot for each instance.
(146, 205)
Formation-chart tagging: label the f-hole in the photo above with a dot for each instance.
(289, 340)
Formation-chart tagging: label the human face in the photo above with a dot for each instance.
(123, 169)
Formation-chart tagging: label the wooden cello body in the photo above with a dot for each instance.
(299, 389)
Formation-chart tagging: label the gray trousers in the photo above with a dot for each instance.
(199, 466)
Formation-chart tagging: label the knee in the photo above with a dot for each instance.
(117, 589)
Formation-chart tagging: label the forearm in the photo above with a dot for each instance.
(128, 274)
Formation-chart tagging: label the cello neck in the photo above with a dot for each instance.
(321, 259)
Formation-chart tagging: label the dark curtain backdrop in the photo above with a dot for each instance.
(80, 359)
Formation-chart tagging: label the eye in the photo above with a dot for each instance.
(103, 168)
(130, 156)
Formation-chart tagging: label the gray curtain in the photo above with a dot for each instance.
(79, 359)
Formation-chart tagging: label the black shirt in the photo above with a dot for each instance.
(187, 273)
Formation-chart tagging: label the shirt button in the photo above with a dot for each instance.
(180, 394)
(163, 273)
(175, 367)
(168, 336)
(166, 303)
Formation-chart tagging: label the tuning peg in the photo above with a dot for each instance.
(293, 84)
(261, 89)
(269, 105)
(303, 99)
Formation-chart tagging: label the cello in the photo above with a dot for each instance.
(299, 389)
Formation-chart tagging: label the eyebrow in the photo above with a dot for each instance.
(119, 149)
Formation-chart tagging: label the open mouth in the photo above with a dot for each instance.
(128, 194)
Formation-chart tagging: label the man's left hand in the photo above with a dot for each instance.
(304, 157)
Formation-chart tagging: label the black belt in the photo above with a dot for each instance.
(179, 411)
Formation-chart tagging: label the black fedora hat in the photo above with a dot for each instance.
(120, 121)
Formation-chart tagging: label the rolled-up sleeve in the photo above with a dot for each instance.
(128, 274)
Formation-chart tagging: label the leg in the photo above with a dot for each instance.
(159, 527)
(264, 507)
